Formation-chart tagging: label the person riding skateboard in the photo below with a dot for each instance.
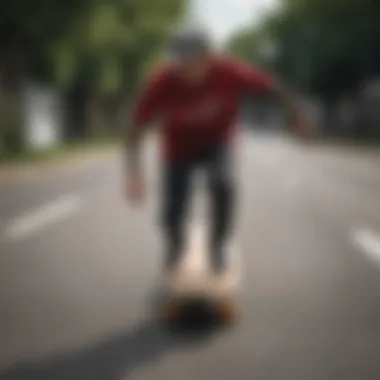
(196, 96)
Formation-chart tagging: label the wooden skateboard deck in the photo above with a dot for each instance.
(194, 288)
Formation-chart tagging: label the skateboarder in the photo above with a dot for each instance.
(196, 96)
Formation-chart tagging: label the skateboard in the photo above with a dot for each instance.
(193, 293)
(197, 305)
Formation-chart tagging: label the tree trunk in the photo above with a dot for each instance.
(95, 116)
(13, 75)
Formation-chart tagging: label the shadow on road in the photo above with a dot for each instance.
(115, 358)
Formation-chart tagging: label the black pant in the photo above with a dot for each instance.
(177, 181)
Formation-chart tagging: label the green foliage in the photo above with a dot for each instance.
(95, 48)
(102, 45)
(323, 47)
(11, 118)
(117, 39)
(245, 44)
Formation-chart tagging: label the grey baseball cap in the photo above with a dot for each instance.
(189, 42)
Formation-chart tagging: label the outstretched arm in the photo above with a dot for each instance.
(293, 110)
(255, 80)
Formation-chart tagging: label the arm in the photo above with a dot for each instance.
(289, 103)
(146, 109)
(255, 80)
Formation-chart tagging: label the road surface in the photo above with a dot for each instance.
(77, 266)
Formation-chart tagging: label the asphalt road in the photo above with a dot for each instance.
(77, 267)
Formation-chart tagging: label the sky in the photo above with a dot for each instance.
(223, 17)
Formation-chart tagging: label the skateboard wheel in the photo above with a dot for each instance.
(227, 311)
(170, 311)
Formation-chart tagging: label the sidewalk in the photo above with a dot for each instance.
(76, 158)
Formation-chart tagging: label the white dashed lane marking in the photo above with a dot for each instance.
(368, 242)
(37, 219)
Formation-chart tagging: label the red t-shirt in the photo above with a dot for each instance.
(197, 116)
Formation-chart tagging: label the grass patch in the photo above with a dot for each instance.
(57, 152)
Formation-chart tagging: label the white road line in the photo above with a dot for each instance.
(37, 219)
(368, 242)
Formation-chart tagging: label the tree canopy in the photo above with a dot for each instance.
(322, 47)
(104, 45)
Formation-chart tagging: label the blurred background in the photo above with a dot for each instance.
(68, 70)
(77, 262)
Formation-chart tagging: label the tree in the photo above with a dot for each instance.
(326, 49)
(323, 47)
(117, 42)
(97, 50)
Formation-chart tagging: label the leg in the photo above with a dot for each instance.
(221, 188)
(176, 189)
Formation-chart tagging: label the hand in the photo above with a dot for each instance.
(303, 129)
(135, 188)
